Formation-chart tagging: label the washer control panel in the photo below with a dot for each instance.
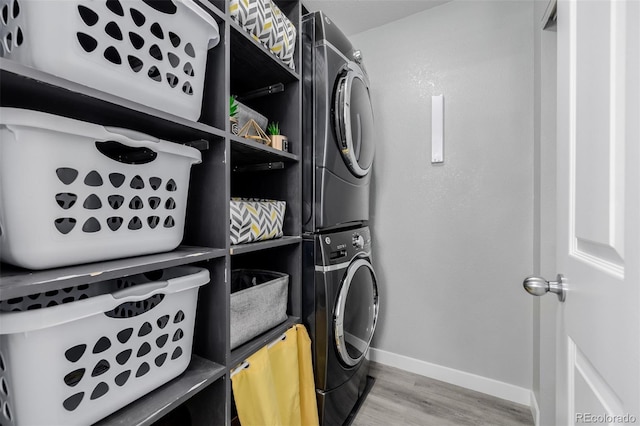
(342, 246)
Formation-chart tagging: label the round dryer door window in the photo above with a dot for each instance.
(356, 312)
(354, 120)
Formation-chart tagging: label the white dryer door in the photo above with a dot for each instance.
(353, 116)
(356, 312)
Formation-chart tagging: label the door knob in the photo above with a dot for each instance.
(538, 286)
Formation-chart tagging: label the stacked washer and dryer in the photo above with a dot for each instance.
(340, 293)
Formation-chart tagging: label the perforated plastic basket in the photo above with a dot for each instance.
(74, 192)
(153, 52)
(73, 356)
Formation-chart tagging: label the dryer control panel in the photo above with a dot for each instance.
(340, 247)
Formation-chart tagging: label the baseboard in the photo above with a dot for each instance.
(455, 377)
(535, 409)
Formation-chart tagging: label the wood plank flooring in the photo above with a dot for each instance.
(402, 398)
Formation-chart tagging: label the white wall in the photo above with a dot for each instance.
(453, 242)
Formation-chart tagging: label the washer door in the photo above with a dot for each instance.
(353, 116)
(356, 312)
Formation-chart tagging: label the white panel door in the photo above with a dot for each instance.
(599, 211)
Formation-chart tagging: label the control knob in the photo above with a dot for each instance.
(358, 241)
(357, 56)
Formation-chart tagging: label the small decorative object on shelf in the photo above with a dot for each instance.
(252, 130)
(233, 111)
(278, 141)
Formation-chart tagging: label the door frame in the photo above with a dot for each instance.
(545, 309)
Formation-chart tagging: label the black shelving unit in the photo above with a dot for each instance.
(152, 407)
(239, 354)
(231, 166)
(25, 87)
(264, 245)
(245, 151)
(17, 282)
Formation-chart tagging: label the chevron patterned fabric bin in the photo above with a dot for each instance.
(256, 219)
(268, 25)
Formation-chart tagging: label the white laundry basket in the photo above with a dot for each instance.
(73, 356)
(148, 51)
(74, 192)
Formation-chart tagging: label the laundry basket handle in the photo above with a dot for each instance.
(139, 291)
(131, 136)
(32, 320)
(153, 145)
(128, 146)
(193, 277)
(214, 38)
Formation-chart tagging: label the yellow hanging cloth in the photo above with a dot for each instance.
(255, 392)
(308, 403)
(284, 367)
(277, 388)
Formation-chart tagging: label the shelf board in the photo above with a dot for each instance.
(252, 65)
(16, 282)
(247, 151)
(150, 408)
(263, 245)
(216, 7)
(239, 354)
(26, 87)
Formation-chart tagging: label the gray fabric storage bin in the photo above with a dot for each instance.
(245, 114)
(258, 303)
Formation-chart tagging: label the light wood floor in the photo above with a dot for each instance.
(402, 398)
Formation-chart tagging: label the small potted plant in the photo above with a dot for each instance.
(233, 111)
(278, 141)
